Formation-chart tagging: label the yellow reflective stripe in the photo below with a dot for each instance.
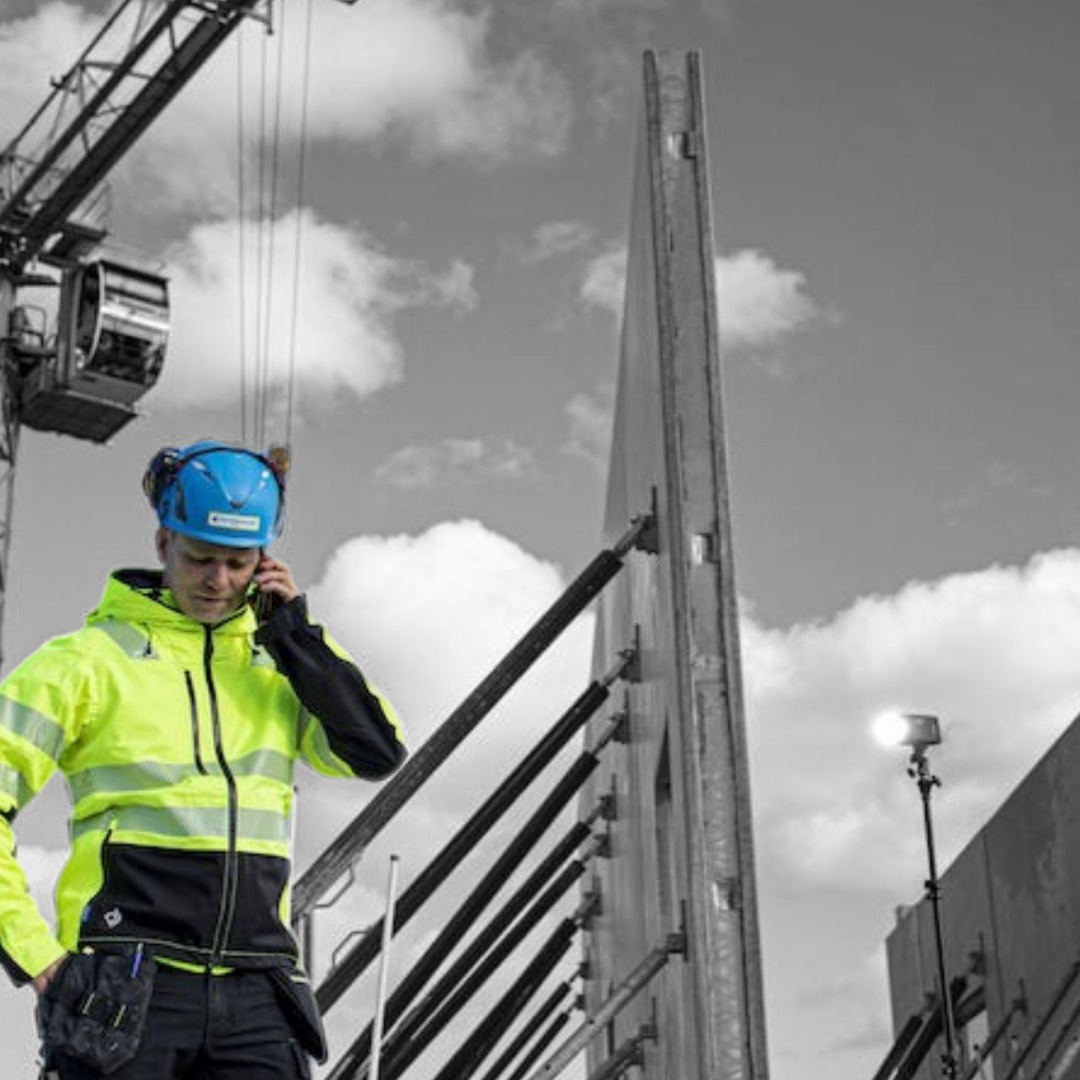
(138, 777)
(14, 785)
(37, 728)
(187, 821)
(272, 764)
(144, 775)
(130, 639)
(193, 969)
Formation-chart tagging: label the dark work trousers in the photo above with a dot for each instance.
(208, 1027)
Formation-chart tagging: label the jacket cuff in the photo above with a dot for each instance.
(283, 620)
(34, 957)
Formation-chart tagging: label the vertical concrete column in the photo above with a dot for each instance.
(682, 847)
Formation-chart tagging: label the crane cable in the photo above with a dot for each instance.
(265, 235)
(255, 371)
(301, 176)
(240, 253)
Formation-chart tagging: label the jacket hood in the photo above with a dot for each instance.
(140, 596)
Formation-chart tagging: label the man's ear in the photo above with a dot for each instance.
(161, 543)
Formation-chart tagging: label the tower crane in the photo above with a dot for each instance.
(84, 377)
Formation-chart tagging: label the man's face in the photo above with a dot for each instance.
(208, 581)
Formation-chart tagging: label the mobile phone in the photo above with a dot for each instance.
(262, 603)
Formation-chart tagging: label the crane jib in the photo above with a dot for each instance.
(107, 126)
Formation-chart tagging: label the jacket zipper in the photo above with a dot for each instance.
(193, 709)
(231, 874)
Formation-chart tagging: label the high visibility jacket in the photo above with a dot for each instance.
(178, 742)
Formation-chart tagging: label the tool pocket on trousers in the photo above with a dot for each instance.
(298, 1001)
(303, 1062)
(95, 1008)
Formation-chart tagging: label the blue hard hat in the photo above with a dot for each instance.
(217, 493)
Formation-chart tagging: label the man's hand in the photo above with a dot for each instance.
(274, 577)
(41, 982)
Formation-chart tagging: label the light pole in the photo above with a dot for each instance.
(920, 731)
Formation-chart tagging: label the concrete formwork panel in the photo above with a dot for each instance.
(681, 858)
(1011, 900)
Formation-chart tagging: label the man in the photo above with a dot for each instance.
(177, 714)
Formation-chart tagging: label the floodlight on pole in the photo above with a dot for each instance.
(917, 730)
(921, 731)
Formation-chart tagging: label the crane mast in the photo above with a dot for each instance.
(108, 347)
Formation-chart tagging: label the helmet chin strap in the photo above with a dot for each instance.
(162, 538)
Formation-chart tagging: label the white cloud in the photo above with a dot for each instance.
(614, 84)
(456, 461)
(31, 49)
(993, 480)
(452, 98)
(349, 292)
(515, 110)
(557, 238)
(590, 420)
(430, 615)
(454, 288)
(758, 303)
(599, 8)
(604, 283)
(991, 652)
